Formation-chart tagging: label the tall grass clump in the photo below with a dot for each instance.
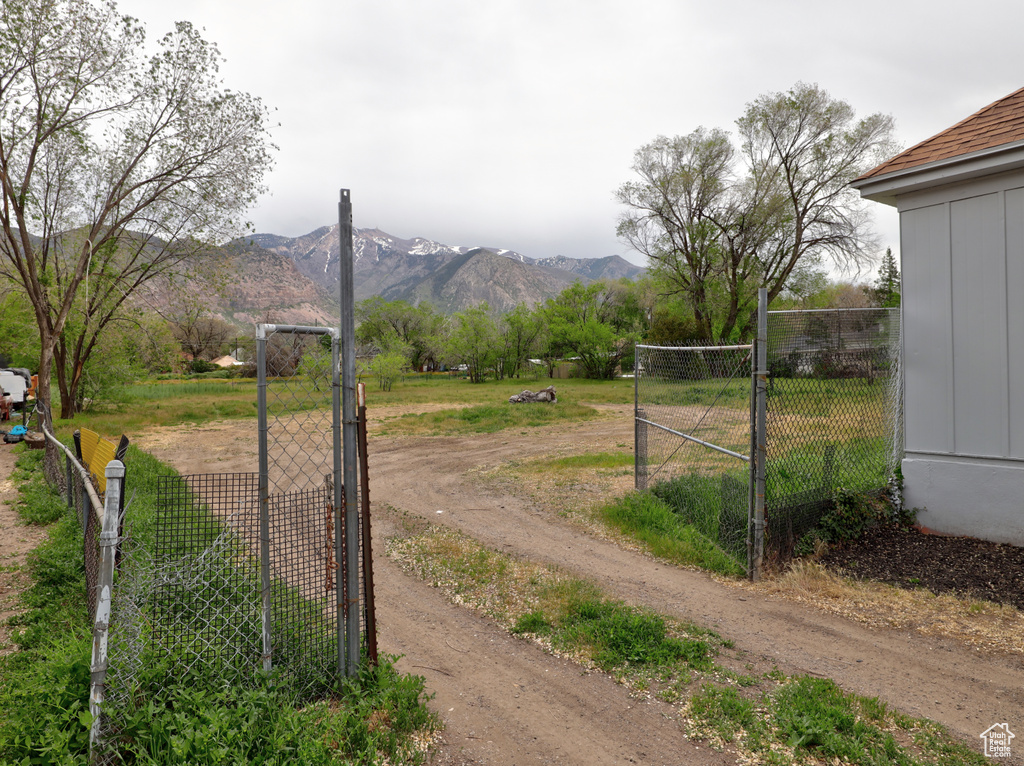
(668, 534)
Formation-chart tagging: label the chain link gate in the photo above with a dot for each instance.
(300, 475)
(824, 417)
(693, 436)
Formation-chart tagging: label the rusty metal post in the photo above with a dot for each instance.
(364, 483)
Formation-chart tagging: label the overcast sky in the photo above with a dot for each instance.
(510, 123)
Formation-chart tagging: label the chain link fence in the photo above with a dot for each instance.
(693, 436)
(834, 415)
(833, 421)
(234, 574)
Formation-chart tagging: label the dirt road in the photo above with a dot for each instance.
(16, 540)
(505, 701)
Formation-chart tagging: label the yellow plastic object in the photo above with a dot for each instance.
(96, 453)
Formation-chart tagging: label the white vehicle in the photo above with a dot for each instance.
(14, 386)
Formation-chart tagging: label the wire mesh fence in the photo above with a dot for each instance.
(833, 414)
(77, 485)
(693, 436)
(833, 422)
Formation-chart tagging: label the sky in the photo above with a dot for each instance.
(511, 123)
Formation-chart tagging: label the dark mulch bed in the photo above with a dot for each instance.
(912, 559)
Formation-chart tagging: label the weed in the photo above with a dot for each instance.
(722, 711)
(36, 504)
(652, 521)
(533, 622)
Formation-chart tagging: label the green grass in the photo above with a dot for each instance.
(489, 418)
(175, 402)
(588, 460)
(767, 717)
(798, 718)
(617, 636)
(667, 534)
(442, 388)
(36, 503)
(178, 717)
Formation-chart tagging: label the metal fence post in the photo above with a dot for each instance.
(638, 482)
(264, 488)
(349, 434)
(338, 499)
(760, 418)
(101, 626)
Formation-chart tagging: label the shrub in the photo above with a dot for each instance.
(201, 365)
(853, 514)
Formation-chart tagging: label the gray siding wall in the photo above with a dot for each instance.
(963, 316)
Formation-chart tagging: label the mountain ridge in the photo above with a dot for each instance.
(270, 268)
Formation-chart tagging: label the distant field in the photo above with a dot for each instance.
(175, 402)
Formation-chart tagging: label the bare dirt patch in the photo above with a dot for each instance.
(16, 540)
(504, 700)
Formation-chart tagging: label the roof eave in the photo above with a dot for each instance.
(887, 187)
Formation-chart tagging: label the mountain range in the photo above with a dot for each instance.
(295, 279)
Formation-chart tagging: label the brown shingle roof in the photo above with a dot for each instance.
(1001, 122)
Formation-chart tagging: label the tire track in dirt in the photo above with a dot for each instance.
(476, 682)
(937, 678)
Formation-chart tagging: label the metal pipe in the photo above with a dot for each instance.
(264, 491)
(694, 439)
(349, 436)
(114, 474)
(752, 474)
(90, 491)
(364, 483)
(761, 418)
(339, 502)
(699, 348)
(636, 418)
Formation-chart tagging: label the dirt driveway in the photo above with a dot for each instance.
(505, 701)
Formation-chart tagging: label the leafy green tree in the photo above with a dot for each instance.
(520, 331)
(387, 367)
(717, 224)
(582, 321)
(115, 165)
(473, 341)
(417, 328)
(886, 292)
(316, 364)
(19, 339)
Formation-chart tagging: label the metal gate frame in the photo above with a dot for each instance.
(758, 419)
(346, 514)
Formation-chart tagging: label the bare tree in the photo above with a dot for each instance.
(717, 224)
(115, 165)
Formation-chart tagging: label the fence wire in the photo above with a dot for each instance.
(303, 455)
(62, 476)
(693, 437)
(833, 423)
(834, 414)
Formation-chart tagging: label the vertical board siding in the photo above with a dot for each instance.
(980, 399)
(1015, 317)
(927, 330)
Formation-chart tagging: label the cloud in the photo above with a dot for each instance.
(512, 122)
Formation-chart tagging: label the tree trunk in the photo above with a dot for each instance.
(43, 389)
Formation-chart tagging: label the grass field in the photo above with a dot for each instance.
(176, 402)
